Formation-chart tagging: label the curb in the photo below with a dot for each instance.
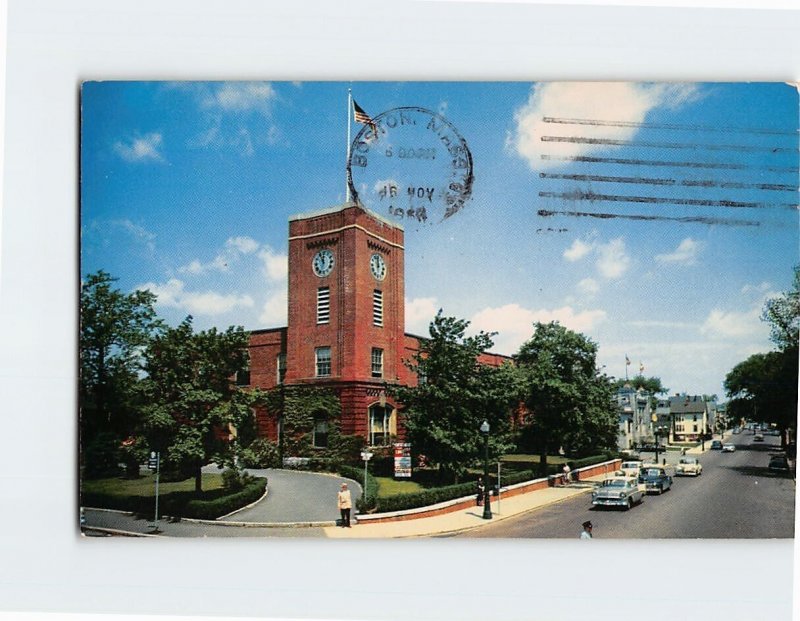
(116, 531)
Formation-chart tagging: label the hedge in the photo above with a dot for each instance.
(356, 474)
(211, 505)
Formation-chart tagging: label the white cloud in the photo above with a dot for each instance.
(275, 310)
(761, 289)
(275, 265)
(514, 324)
(625, 102)
(419, 314)
(735, 324)
(173, 294)
(240, 97)
(245, 245)
(577, 250)
(588, 286)
(613, 261)
(684, 254)
(141, 149)
(234, 247)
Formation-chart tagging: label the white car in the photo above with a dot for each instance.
(689, 466)
(630, 468)
(728, 448)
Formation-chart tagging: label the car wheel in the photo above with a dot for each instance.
(629, 505)
(660, 490)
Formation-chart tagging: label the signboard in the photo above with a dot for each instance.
(402, 460)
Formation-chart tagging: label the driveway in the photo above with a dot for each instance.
(295, 496)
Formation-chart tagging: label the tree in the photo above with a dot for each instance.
(570, 401)
(764, 388)
(651, 385)
(456, 393)
(114, 329)
(783, 315)
(192, 399)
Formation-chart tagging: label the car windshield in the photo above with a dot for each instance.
(688, 460)
(614, 483)
(653, 472)
(628, 465)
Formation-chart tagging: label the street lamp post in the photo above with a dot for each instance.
(487, 511)
(366, 456)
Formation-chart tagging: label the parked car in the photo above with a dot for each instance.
(779, 464)
(689, 466)
(728, 448)
(737, 430)
(716, 445)
(655, 479)
(759, 437)
(631, 468)
(617, 492)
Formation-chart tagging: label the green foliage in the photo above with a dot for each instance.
(764, 388)
(133, 452)
(234, 479)
(783, 315)
(101, 456)
(261, 454)
(192, 401)
(114, 327)
(191, 504)
(455, 395)
(650, 385)
(570, 400)
(372, 488)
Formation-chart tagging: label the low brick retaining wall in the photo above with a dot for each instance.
(465, 502)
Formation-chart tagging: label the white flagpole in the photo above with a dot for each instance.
(349, 114)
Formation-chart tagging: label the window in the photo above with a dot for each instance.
(320, 436)
(695, 428)
(377, 308)
(281, 366)
(381, 425)
(323, 360)
(377, 362)
(323, 305)
(243, 377)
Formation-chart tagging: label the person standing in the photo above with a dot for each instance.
(587, 530)
(567, 474)
(345, 503)
(480, 490)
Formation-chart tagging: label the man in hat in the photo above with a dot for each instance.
(345, 503)
(587, 530)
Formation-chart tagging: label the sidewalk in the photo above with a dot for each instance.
(119, 523)
(465, 519)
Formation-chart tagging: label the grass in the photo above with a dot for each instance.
(146, 485)
(387, 486)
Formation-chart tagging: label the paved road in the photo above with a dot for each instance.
(736, 496)
(295, 496)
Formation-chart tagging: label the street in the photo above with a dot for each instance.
(735, 497)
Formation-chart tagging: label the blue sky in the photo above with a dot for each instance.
(187, 187)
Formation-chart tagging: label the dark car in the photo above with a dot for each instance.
(716, 445)
(655, 479)
(778, 464)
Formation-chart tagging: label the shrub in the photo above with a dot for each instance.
(261, 454)
(102, 457)
(214, 508)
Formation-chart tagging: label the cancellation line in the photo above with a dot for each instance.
(703, 183)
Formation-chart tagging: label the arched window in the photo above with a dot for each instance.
(382, 424)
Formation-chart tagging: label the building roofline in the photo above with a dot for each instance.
(337, 208)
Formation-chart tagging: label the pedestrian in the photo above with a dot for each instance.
(587, 530)
(567, 474)
(345, 503)
(480, 489)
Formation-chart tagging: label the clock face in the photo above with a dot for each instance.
(378, 266)
(323, 263)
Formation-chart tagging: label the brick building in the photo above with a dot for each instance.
(346, 322)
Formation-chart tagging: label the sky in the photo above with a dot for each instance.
(655, 218)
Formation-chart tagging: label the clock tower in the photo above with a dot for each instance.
(346, 311)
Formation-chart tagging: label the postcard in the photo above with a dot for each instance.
(354, 310)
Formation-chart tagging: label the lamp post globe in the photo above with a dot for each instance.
(487, 511)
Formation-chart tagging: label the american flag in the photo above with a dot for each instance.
(362, 117)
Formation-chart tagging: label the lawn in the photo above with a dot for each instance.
(387, 486)
(146, 485)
